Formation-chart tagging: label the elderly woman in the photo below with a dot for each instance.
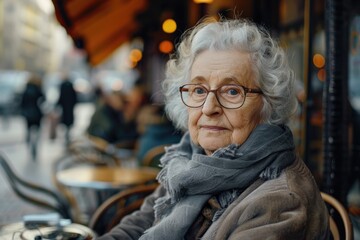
(235, 173)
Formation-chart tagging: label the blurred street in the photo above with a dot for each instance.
(14, 148)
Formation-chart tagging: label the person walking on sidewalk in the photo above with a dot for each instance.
(31, 100)
(67, 101)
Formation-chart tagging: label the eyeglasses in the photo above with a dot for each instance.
(230, 96)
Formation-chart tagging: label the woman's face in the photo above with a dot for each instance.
(212, 126)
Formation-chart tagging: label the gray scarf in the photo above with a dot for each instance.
(191, 177)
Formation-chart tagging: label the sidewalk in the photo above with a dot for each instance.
(13, 146)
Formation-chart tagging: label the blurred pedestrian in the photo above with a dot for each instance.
(67, 101)
(107, 121)
(136, 98)
(31, 100)
(155, 129)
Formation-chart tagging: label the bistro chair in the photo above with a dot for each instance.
(67, 162)
(92, 150)
(85, 151)
(95, 150)
(119, 205)
(343, 222)
(34, 193)
(152, 157)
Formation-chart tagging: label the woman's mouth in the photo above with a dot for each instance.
(212, 128)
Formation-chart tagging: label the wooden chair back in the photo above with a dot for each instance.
(336, 208)
(118, 206)
(151, 158)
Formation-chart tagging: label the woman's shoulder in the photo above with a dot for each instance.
(295, 182)
(279, 204)
(299, 179)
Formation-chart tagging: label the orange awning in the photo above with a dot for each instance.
(99, 26)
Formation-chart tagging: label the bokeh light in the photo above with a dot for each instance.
(169, 25)
(117, 85)
(319, 60)
(135, 55)
(203, 1)
(166, 46)
(321, 74)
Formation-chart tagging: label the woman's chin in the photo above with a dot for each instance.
(212, 146)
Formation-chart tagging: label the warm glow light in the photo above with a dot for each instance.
(203, 1)
(319, 60)
(130, 64)
(169, 26)
(117, 85)
(166, 46)
(321, 74)
(135, 55)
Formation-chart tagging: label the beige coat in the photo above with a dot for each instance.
(288, 207)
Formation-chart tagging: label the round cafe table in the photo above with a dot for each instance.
(86, 187)
(103, 177)
(72, 231)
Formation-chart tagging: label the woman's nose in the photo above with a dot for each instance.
(211, 104)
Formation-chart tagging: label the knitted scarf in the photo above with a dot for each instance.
(191, 177)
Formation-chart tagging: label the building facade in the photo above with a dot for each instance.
(31, 39)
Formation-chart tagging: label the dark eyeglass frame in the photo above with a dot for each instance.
(246, 90)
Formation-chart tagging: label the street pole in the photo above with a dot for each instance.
(337, 166)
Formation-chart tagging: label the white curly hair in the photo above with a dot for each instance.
(270, 66)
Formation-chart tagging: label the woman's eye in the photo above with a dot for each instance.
(232, 91)
(199, 90)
